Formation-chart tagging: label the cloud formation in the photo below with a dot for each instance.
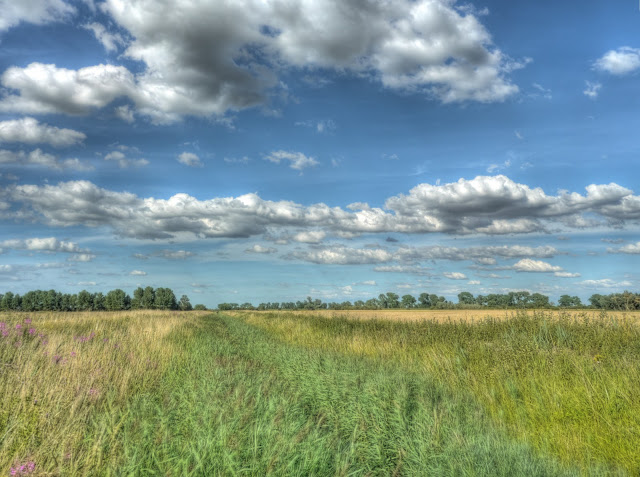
(30, 131)
(37, 12)
(208, 58)
(619, 62)
(190, 159)
(42, 159)
(296, 160)
(485, 205)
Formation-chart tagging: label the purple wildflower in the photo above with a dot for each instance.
(32, 331)
(73, 354)
(5, 333)
(3, 325)
(18, 326)
(27, 321)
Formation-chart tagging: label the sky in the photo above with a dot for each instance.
(270, 150)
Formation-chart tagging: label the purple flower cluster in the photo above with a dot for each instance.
(23, 469)
(84, 339)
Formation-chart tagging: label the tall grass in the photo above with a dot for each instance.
(158, 393)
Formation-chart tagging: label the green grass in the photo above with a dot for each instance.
(280, 394)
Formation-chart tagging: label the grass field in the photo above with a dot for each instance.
(169, 393)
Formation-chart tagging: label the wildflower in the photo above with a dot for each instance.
(73, 354)
(5, 333)
(57, 358)
(32, 331)
(27, 320)
(3, 325)
(105, 340)
(18, 326)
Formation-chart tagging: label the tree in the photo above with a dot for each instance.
(117, 300)
(408, 301)
(393, 300)
(185, 304)
(165, 299)
(7, 299)
(136, 301)
(98, 302)
(200, 307)
(148, 298)
(424, 300)
(85, 301)
(466, 298)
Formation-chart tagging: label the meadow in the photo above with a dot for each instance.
(290, 393)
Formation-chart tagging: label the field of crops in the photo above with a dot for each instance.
(201, 393)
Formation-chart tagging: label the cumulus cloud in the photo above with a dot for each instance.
(81, 257)
(619, 62)
(45, 88)
(566, 275)
(46, 244)
(111, 41)
(297, 160)
(489, 205)
(631, 249)
(605, 283)
(30, 131)
(208, 58)
(137, 273)
(310, 236)
(342, 256)
(455, 275)
(190, 159)
(37, 12)
(42, 159)
(123, 161)
(260, 249)
(536, 266)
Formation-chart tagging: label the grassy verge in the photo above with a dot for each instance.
(187, 394)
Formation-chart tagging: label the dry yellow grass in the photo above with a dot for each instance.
(454, 315)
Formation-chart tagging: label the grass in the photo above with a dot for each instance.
(161, 393)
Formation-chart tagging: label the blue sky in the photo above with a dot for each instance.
(269, 150)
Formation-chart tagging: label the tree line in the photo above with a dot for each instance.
(466, 300)
(115, 300)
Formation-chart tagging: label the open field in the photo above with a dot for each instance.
(469, 316)
(170, 393)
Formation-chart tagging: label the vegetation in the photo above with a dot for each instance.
(115, 300)
(513, 300)
(173, 393)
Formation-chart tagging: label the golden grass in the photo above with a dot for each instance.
(440, 316)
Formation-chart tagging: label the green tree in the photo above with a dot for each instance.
(165, 299)
(85, 301)
(466, 298)
(148, 298)
(117, 300)
(408, 301)
(200, 307)
(184, 304)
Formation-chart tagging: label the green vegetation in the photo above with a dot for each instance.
(115, 300)
(171, 393)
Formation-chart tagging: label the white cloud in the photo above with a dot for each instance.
(236, 160)
(567, 275)
(537, 266)
(455, 275)
(208, 58)
(622, 61)
(45, 88)
(310, 236)
(605, 283)
(30, 131)
(5, 268)
(411, 269)
(189, 159)
(473, 282)
(370, 283)
(42, 159)
(260, 249)
(37, 12)
(138, 273)
(631, 249)
(81, 257)
(297, 160)
(110, 41)
(339, 255)
(489, 205)
(47, 244)
(125, 113)
(174, 254)
(592, 89)
(123, 161)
